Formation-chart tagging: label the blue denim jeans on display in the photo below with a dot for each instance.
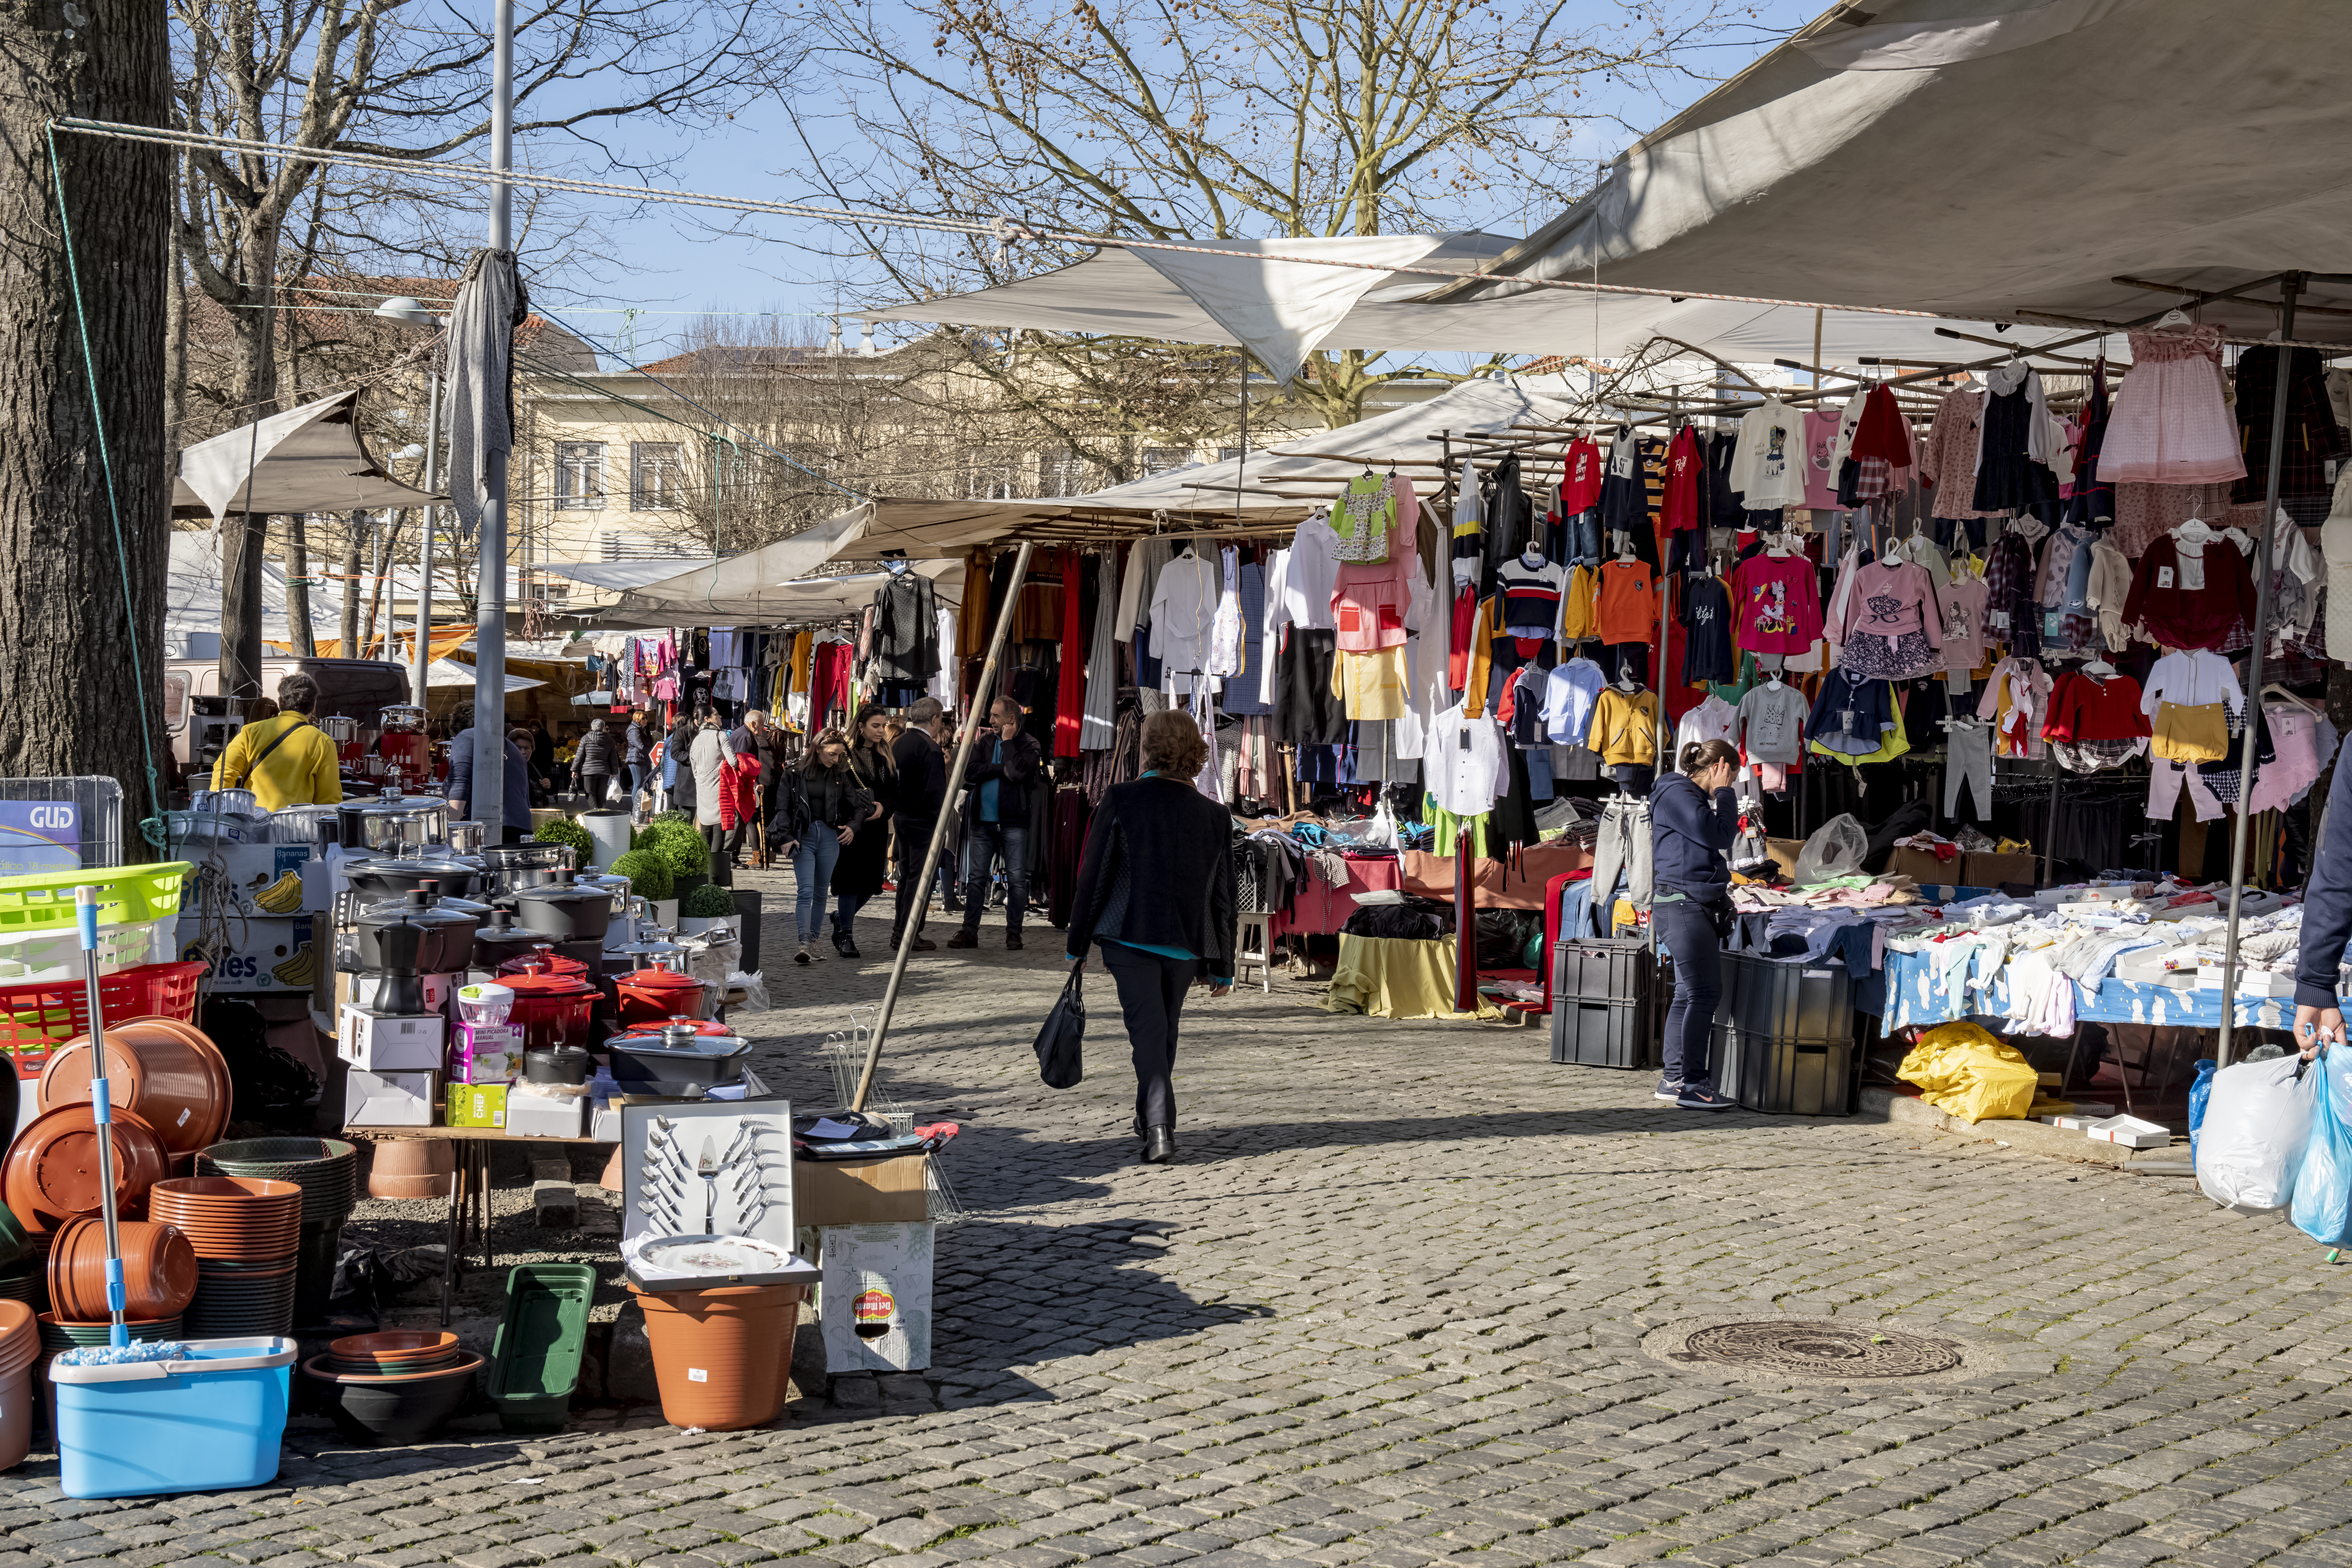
(813, 874)
(983, 843)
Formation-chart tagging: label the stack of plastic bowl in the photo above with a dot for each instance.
(328, 1171)
(394, 1386)
(159, 1271)
(20, 1347)
(24, 1261)
(246, 1231)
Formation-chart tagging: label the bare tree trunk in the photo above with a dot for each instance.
(351, 587)
(297, 586)
(175, 359)
(71, 601)
(245, 542)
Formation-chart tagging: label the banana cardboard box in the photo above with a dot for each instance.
(247, 899)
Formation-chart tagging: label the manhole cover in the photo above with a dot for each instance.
(1817, 1350)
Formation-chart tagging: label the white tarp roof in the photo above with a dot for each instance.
(1121, 292)
(1204, 493)
(615, 576)
(449, 672)
(192, 604)
(305, 460)
(2046, 149)
(745, 602)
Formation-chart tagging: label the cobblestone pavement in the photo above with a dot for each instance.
(1389, 1310)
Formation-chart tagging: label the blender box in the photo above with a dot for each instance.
(486, 1053)
(390, 1042)
(368, 990)
(532, 1114)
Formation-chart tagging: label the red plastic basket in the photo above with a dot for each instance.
(36, 1019)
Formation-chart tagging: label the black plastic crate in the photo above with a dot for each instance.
(1604, 1034)
(1799, 1004)
(1788, 1078)
(1607, 969)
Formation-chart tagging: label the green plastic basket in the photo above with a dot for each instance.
(126, 896)
(535, 1360)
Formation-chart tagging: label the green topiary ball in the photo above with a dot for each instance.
(570, 835)
(709, 901)
(680, 847)
(648, 876)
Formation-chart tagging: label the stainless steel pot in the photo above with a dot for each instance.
(465, 839)
(393, 821)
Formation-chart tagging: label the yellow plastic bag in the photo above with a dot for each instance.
(1963, 1071)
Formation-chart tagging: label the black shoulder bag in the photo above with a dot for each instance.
(262, 756)
(1060, 1062)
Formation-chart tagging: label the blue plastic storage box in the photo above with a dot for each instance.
(210, 1421)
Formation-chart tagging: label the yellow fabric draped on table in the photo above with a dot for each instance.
(1397, 977)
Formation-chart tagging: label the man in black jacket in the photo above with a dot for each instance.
(921, 790)
(1006, 761)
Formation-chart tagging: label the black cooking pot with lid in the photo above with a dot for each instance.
(384, 877)
(499, 939)
(556, 1064)
(414, 935)
(565, 909)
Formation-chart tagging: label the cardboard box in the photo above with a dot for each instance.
(1783, 853)
(889, 1191)
(390, 1099)
(367, 991)
(2130, 1132)
(604, 1126)
(269, 954)
(390, 1042)
(1924, 867)
(486, 1053)
(1982, 870)
(533, 1115)
(474, 1105)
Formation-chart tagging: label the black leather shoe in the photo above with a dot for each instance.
(1138, 1126)
(844, 944)
(1160, 1146)
(1013, 942)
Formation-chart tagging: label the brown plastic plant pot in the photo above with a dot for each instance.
(166, 1072)
(722, 1357)
(159, 1270)
(20, 1339)
(412, 1168)
(51, 1174)
(15, 1416)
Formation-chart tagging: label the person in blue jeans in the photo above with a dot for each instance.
(1693, 817)
(1155, 892)
(820, 807)
(636, 748)
(1005, 763)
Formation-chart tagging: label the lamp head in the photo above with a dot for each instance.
(409, 308)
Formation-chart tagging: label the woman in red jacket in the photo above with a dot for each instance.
(738, 801)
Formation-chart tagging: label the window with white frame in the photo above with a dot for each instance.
(1060, 473)
(1159, 460)
(580, 476)
(656, 469)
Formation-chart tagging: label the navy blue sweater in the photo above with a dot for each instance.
(1690, 837)
(2327, 901)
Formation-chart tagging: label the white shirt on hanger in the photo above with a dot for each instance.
(1462, 760)
(1183, 609)
(1311, 574)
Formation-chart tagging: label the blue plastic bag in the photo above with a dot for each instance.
(2322, 1208)
(2200, 1089)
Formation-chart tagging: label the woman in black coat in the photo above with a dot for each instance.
(1156, 892)
(865, 860)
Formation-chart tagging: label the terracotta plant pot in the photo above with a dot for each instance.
(15, 1417)
(51, 1173)
(234, 1219)
(723, 1358)
(412, 1168)
(168, 1073)
(159, 1270)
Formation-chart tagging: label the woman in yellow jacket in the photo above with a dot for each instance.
(286, 761)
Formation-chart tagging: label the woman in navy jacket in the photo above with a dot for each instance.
(1692, 817)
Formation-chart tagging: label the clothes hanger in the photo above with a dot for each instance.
(2174, 317)
(2195, 531)
(2272, 688)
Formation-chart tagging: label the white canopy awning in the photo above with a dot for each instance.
(305, 460)
(2006, 159)
(1120, 292)
(614, 576)
(1205, 495)
(191, 603)
(449, 672)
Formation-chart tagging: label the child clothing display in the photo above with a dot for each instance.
(1851, 716)
(2170, 424)
(1963, 601)
(1569, 693)
(1948, 458)
(1532, 596)
(2095, 723)
(1767, 469)
(2191, 590)
(1821, 460)
(2014, 700)
(1892, 627)
(1772, 723)
(2316, 443)
(1777, 604)
(1626, 604)
(1372, 603)
(1706, 617)
(1712, 719)
(1625, 727)
(2017, 442)
(1365, 516)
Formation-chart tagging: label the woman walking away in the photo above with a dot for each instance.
(634, 750)
(1692, 817)
(677, 765)
(865, 862)
(1156, 890)
(818, 808)
(708, 759)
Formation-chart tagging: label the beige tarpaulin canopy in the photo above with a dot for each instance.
(1269, 488)
(305, 460)
(2029, 161)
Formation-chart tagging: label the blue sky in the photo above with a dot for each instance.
(667, 266)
